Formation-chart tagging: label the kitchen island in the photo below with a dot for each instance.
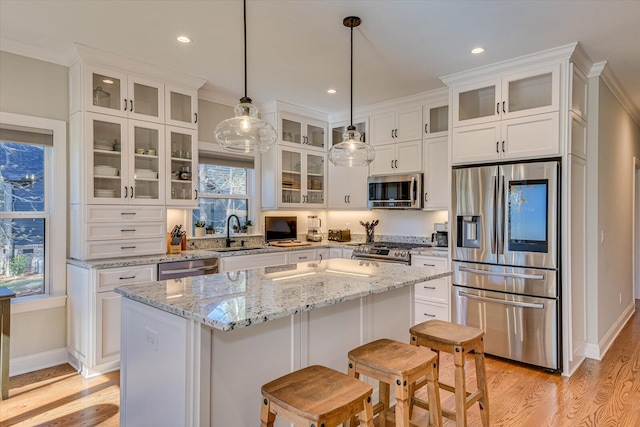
(195, 351)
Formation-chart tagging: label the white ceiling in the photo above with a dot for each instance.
(299, 49)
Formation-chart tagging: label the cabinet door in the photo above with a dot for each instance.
(383, 128)
(356, 186)
(291, 177)
(385, 160)
(145, 99)
(107, 162)
(436, 174)
(301, 256)
(339, 128)
(322, 254)
(478, 102)
(529, 92)
(316, 134)
(181, 167)
(181, 107)
(147, 169)
(435, 120)
(408, 124)
(478, 143)
(315, 179)
(105, 91)
(531, 136)
(430, 311)
(107, 327)
(291, 128)
(338, 186)
(408, 157)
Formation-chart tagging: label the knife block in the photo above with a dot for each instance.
(173, 249)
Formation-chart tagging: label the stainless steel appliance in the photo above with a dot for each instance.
(178, 269)
(313, 229)
(385, 252)
(395, 191)
(505, 250)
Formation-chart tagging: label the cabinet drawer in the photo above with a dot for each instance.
(301, 256)
(109, 278)
(424, 261)
(435, 290)
(124, 248)
(100, 231)
(96, 213)
(426, 311)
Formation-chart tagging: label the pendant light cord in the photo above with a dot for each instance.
(244, 7)
(351, 78)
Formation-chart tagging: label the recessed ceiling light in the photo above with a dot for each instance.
(331, 91)
(477, 50)
(107, 81)
(184, 39)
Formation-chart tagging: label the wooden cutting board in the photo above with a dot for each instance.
(289, 244)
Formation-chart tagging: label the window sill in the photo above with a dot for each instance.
(37, 303)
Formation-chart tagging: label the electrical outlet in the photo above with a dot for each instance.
(151, 338)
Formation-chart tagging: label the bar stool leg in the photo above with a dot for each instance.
(433, 393)
(461, 388)
(402, 403)
(383, 390)
(366, 416)
(267, 418)
(481, 378)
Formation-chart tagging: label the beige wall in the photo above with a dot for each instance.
(209, 115)
(35, 88)
(618, 142)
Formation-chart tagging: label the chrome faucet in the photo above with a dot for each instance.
(229, 241)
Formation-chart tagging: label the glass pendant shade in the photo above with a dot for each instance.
(351, 151)
(245, 132)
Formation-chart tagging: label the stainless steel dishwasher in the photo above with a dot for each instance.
(196, 267)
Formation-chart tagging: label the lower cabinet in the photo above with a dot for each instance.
(93, 314)
(340, 253)
(431, 297)
(242, 262)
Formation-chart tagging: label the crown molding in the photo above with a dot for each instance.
(602, 70)
(211, 96)
(35, 52)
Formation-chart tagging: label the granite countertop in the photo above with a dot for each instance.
(233, 300)
(430, 251)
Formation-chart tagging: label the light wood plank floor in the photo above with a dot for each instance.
(600, 394)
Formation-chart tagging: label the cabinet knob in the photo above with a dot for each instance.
(196, 191)
(132, 192)
(503, 107)
(126, 192)
(396, 164)
(131, 105)
(425, 128)
(497, 146)
(498, 108)
(125, 104)
(349, 198)
(503, 146)
(196, 115)
(425, 197)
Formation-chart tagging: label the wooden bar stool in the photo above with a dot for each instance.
(401, 365)
(316, 396)
(456, 340)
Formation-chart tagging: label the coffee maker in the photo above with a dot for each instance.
(313, 229)
(440, 238)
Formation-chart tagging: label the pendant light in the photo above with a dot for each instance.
(351, 151)
(245, 132)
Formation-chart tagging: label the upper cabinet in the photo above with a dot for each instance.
(295, 130)
(181, 106)
(302, 178)
(399, 125)
(348, 185)
(507, 116)
(181, 166)
(117, 93)
(436, 119)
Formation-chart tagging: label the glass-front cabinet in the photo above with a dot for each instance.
(348, 185)
(436, 119)
(125, 162)
(533, 91)
(120, 94)
(181, 107)
(299, 130)
(302, 178)
(182, 163)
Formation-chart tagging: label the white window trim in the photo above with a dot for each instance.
(56, 244)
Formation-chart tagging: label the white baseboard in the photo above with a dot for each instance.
(597, 352)
(34, 362)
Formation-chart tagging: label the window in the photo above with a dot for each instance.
(223, 189)
(32, 194)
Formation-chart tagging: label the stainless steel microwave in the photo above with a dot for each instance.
(395, 191)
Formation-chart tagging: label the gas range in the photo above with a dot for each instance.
(386, 251)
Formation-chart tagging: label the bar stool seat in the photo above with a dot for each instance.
(401, 365)
(456, 340)
(316, 396)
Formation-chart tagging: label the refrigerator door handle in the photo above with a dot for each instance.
(493, 203)
(500, 301)
(412, 189)
(501, 212)
(497, 273)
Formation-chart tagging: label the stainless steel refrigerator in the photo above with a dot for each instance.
(505, 250)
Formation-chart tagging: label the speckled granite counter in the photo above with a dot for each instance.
(429, 251)
(270, 293)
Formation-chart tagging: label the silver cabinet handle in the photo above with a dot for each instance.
(429, 287)
(500, 301)
(497, 273)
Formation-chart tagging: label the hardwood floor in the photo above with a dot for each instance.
(600, 394)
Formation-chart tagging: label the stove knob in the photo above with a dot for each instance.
(403, 254)
(367, 249)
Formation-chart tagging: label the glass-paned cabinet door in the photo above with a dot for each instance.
(105, 91)
(315, 136)
(338, 130)
(315, 179)
(146, 146)
(145, 99)
(531, 92)
(477, 104)
(291, 131)
(182, 162)
(436, 120)
(181, 107)
(106, 161)
(291, 178)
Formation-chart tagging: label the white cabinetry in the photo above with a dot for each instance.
(437, 193)
(301, 181)
(347, 185)
(181, 106)
(402, 157)
(436, 119)
(340, 253)
(296, 130)
(93, 338)
(509, 116)
(181, 167)
(396, 126)
(432, 297)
